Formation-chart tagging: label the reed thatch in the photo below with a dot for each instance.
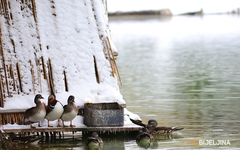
(41, 69)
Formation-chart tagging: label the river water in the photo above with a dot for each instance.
(182, 71)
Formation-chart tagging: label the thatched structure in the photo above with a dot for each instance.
(34, 54)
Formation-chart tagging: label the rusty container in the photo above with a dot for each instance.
(103, 114)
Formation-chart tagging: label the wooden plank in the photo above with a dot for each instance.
(8, 111)
(69, 129)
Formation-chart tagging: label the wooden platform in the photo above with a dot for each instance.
(82, 129)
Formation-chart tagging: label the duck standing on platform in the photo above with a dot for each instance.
(94, 142)
(54, 110)
(37, 113)
(154, 129)
(144, 138)
(70, 111)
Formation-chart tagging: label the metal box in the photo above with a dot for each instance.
(103, 114)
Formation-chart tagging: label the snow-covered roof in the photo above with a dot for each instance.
(52, 45)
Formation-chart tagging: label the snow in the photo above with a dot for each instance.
(77, 121)
(69, 36)
(131, 115)
(67, 33)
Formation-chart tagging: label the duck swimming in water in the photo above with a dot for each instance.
(94, 142)
(37, 113)
(154, 129)
(144, 138)
(54, 110)
(70, 111)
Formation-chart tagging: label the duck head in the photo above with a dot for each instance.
(51, 98)
(95, 134)
(71, 99)
(152, 124)
(38, 98)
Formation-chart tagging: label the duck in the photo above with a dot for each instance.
(144, 138)
(94, 141)
(154, 129)
(37, 113)
(70, 111)
(54, 110)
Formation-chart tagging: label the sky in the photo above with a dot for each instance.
(176, 6)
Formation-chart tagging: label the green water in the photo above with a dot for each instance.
(182, 71)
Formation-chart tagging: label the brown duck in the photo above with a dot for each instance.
(94, 142)
(54, 110)
(37, 113)
(70, 111)
(144, 138)
(154, 129)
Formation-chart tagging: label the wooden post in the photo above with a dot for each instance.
(44, 69)
(12, 76)
(33, 77)
(114, 61)
(110, 60)
(19, 77)
(11, 16)
(38, 72)
(50, 75)
(96, 70)
(1, 93)
(65, 80)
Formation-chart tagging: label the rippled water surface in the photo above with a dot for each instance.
(182, 71)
